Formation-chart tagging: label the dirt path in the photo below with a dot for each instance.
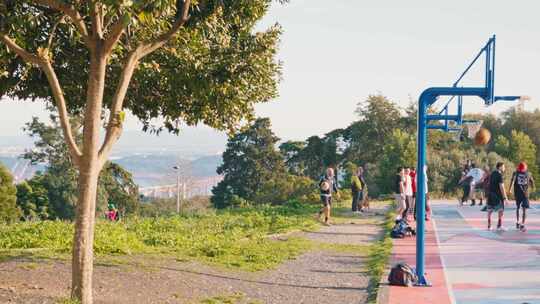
(329, 273)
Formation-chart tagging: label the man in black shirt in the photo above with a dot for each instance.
(327, 186)
(521, 179)
(497, 196)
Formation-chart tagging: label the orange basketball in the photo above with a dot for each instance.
(482, 137)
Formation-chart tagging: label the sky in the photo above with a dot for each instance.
(336, 53)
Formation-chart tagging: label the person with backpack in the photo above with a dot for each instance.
(357, 189)
(521, 179)
(327, 186)
(497, 198)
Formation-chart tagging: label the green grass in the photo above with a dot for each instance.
(235, 298)
(67, 301)
(234, 238)
(378, 257)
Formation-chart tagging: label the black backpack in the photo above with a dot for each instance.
(402, 275)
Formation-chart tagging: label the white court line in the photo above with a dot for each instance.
(448, 286)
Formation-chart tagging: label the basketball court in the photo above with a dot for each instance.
(466, 263)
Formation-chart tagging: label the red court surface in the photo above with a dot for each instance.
(404, 250)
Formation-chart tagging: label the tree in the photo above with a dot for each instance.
(59, 181)
(249, 163)
(9, 212)
(33, 201)
(379, 116)
(399, 150)
(521, 148)
(185, 61)
(290, 151)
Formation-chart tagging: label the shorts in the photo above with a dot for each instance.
(495, 208)
(522, 202)
(326, 200)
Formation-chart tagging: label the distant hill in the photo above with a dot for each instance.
(147, 169)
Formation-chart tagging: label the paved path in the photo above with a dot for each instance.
(468, 264)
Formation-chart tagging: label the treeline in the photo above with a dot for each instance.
(382, 139)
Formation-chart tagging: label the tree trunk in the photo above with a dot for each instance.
(83, 254)
(89, 169)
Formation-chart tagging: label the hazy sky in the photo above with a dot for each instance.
(336, 53)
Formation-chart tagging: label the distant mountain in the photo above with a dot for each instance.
(147, 169)
(192, 141)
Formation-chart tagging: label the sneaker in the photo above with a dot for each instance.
(518, 226)
(501, 228)
(489, 228)
(522, 228)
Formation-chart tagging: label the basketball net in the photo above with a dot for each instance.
(473, 128)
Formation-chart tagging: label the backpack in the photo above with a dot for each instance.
(402, 275)
(401, 229)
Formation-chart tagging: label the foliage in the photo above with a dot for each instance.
(9, 211)
(233, 238)
(249, 163)
(211, 71)
(399, 150)
(33, 200)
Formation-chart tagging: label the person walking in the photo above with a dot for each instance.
(327, 186)
(466, 184)
(521, 179)
(399, 193)
(497, 196)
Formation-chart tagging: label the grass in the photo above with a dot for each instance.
(67, 301)
(235, 298)
(236, 238)
(378, 257)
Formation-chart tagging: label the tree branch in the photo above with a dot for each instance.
(155, 44)
(25, 55)
(95, 17)
(114, 34)
(114, 126)
(73, 14)
(53, 30)
(44, 63)
(74, 150)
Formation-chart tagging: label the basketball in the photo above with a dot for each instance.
(325, 186)
(482, 137)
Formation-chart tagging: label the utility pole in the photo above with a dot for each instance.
(177, 168)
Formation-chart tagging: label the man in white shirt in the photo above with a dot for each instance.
(408, 192)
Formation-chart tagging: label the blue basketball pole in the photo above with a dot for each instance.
(427, 98)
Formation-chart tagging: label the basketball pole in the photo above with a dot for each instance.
(427, 98)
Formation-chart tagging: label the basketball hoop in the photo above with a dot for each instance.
(472, 127)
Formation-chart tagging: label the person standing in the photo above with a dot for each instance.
(521, 179)
(358, 185)
(327, 186)
(428, 207)
(413, 178)
(356, 191)
(408, 193)
(399, 193)
(497, 196)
